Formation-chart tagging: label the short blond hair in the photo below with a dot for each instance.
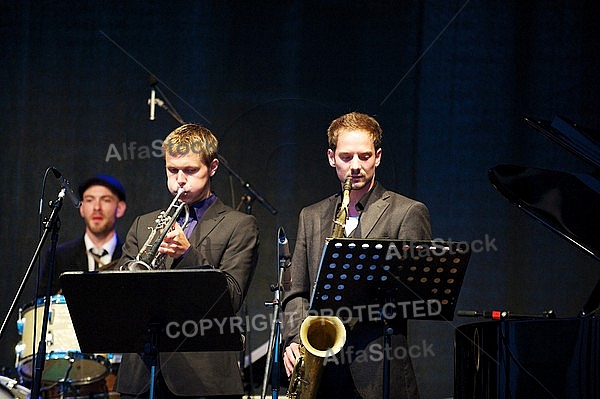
(195, 138)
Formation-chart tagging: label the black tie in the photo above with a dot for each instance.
(97, 262)
(187, 225)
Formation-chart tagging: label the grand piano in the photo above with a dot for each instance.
(542, 357)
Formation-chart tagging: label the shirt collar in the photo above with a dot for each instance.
(361, 205)
(198, 209)
(109, 246)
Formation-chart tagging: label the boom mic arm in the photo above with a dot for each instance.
(505, 314)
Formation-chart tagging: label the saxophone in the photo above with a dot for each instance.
(320, 336)
(148, 258)
(339, 223)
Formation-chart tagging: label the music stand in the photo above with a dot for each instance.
(400, 279)
(151, 311)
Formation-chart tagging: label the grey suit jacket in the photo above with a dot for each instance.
(227, 240)
(387, 215)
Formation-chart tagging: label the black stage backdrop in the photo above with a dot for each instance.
(448, 80)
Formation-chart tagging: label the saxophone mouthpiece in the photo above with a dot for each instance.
(348, 183)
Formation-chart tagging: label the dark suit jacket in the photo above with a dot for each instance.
(227, 240)
(387, 215)
(70, 256)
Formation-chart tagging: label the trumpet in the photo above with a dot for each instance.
(148, 257)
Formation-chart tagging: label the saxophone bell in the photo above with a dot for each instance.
(320, 337)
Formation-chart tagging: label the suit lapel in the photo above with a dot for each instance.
(211, 218)
(209, 221)
(118, 250)
(325, 220)
(373, 212)
(80, 257)
(115, 256)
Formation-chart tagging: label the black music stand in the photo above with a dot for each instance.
(403, 279)
(151, 311)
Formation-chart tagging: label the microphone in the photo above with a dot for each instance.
(283, 245)
(152, 101)
(284, 258)
(64, 183)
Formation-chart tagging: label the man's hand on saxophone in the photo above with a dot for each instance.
(175, 243)
(290, 356)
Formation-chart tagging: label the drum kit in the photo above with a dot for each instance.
(67, 373)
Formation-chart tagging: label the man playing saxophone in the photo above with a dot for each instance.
(354, 151)
(215, 235)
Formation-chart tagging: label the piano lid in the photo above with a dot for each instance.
(566, 203)
(583, 142)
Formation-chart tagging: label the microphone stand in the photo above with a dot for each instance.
(247, 186)
(272, 365)
(52, 225)
(246, 203)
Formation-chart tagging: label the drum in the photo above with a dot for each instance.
(9, 389)
(64, 360)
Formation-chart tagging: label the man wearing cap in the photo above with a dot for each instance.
(102, 203)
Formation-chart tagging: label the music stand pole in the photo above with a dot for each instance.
(151, 354)
(388, 331)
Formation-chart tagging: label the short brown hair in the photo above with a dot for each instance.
(354, 121)
(195, 138)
